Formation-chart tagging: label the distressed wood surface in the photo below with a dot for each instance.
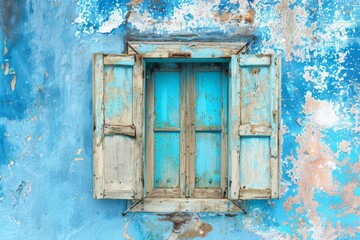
(275, 124)
(255, 60)
(164, 133)
(195, 49)
(111, 129)
(255, 193)
(208, 164)
(189, 132)
(167, 205)
(119, 59)
(259, 126)
(183, 125)
(254, 130)
(234, 123)
(224, 132)
(138, 121)
(98, 120)
(118, 109)
(150, 116)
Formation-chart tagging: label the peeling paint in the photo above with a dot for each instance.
(186, 226)
(13, 82)
(46, 95)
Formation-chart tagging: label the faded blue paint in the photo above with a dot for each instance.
(208, 98)
(166, 159)
(118, 83)
(255, 90)
(208, 159)
(167, 99)
(255, 159)
(46, 120)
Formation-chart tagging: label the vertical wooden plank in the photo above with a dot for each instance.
(275, 73)
(224, 132)
(183, 117)
(138, 121)
(234, 123)
(98, 114)
(150, 118)
(190, 138)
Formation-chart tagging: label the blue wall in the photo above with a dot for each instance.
(46, 117)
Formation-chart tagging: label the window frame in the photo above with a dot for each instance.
(197, 52)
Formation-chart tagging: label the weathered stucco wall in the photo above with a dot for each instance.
(46, 117)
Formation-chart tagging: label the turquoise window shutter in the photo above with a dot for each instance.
(118, 126)
(254, 127)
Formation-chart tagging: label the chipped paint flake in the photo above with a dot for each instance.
(5, 48)
(324, 113)
(13, 82)
(115, 20)
(344, 146)
(7, 68)
(79, 151)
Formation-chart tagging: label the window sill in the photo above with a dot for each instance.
(168, 205)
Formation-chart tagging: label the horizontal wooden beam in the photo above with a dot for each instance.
(255, 193)
(255, 60)
(118, 194)
(168, 205)
(255, 130)
(208, 129)
(124, 60)
(167, 129)
(188, 49)
(111, 129)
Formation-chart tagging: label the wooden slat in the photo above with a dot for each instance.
(254, 193)
(166, 129)
(234, 123)
(118, 164)
(208, 193)
(190, 140)
(112, 129)
(123, 60)
(195, 49)
(274, 140)
(183, 117)
(164, 193)
(118, 194)
(150, 118)
(208, 129)
(255, 60)
(98, 114)
(138, 121)
(166, 205)
(254, 130)
(224, 133)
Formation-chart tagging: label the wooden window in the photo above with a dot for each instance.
(186, 126)
(186, 130)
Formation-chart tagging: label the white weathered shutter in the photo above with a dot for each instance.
(254, 126)
(118, 126)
